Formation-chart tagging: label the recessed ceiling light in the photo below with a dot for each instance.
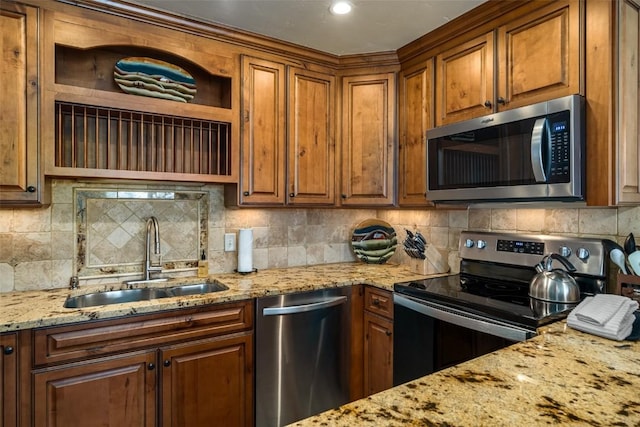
(340, 7)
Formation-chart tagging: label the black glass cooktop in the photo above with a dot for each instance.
(498, 299)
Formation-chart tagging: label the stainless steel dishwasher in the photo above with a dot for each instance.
(302, 354)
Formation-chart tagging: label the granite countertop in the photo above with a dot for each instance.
(562, 376)
(31, 309)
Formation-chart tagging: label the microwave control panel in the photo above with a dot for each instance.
(560, 148)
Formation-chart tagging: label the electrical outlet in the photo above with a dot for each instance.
(229, 242)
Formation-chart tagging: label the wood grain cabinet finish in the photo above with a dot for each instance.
(378, 340)
(21, 177)
(533, 57)
(415, 116)
(288, 135)
(263, 132)
(8, 380)
(628, 102)
(189, 367)
(368, 142)
(208, 383)
(311, 138)
(119, 391)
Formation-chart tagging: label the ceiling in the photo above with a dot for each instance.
(372, 25)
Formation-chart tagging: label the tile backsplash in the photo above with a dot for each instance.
(43, 248)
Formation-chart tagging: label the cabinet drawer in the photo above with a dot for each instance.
(378, 301)
(79, 341)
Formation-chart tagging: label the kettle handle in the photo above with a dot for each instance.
(567, 264)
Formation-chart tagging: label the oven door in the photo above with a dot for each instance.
(429, 336)
(529, 153)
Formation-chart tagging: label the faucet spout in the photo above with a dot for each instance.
(149, 266)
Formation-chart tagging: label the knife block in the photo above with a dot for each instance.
(629, 286)
(435, 262)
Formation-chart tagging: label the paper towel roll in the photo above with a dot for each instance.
(245, 250)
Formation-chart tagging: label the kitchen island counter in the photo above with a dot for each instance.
(31, 309)
(562, 376)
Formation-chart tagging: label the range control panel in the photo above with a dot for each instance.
(520, 246)
(587, 255)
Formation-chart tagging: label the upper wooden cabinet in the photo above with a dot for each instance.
(263, 133)
(21, 176)
(503, 69)
(288, 135)
(368, 142)
(311, 138)
(415, 104)
(95, 128)
(628, 103)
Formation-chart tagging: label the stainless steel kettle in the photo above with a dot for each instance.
(554, 285)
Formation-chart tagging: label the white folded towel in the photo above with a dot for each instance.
(599, 309)
(617, 327)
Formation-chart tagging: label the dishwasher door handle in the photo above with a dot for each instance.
(293, 309)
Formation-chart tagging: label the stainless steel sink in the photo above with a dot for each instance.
(141, 294)
(196, 289)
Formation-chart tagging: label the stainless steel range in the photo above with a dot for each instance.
(446, 320)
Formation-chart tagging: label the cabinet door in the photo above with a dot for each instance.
(378, 353)
(263, 132)
(20, 177)
(8, 380)
(628, 102)
(209, 383)
(465, 81)
(415, 117)
(368, 151)
(107, 392)
(539, 55)
(311, 152)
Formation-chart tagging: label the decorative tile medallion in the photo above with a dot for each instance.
(111, 229)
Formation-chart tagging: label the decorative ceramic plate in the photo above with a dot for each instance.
(154, 78)
(374, 241)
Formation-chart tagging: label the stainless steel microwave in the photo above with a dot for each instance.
(532, 153)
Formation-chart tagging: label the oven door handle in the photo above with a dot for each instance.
(464, 319)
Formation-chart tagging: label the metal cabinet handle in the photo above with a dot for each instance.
(246, 193)
(291, 195)
(167, 363)
(8, 350)
(501, 100)
(376, 302)
(31, 189)
(488, 104)
(294, 309)
(388, 333)
(151, 366)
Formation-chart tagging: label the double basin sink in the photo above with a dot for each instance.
(141, 294)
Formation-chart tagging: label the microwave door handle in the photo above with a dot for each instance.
(537, 163)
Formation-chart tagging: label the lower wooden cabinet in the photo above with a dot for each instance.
(109, 392)
(208, 383)
(8, 380)
(378, 340)
(191, 367)
(378, 350)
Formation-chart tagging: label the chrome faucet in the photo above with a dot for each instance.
(149, 267)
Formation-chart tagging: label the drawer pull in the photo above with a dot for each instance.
(8, 350)
(151, 366)
(167, 363)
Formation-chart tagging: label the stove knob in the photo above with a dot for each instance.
(565, 251)
(481, 244)
(468, 243)
(583, 254)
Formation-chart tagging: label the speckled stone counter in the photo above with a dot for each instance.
(562, 376)
(30, 309)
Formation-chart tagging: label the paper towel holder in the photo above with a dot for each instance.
(253, 270)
